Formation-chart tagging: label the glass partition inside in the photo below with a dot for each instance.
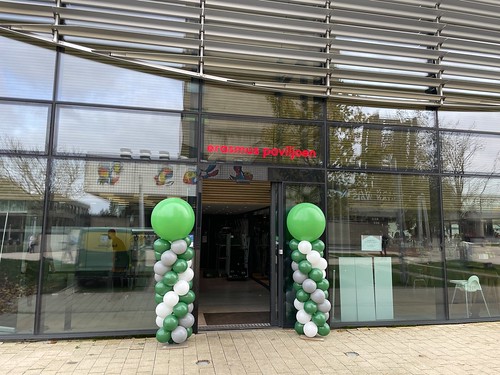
(100, 242)
(384, 247)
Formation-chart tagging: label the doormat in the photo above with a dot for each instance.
(237, 318)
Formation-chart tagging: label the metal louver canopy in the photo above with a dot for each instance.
(418, 53)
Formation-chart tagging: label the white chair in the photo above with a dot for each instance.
(471, 285)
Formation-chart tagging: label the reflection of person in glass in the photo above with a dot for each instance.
(120, 256)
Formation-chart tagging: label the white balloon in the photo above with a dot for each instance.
(324, 274)
(327, 315)
(325, 307)
(313, 257)
(179, 246)
(191, 307)
(303, 317)
(187, 275)
(187, 320)
(190, 263)
(159, 321)
(171, 299)
(299, 277)
(298, 305)
(162, 310)
(160, 268)
(305, 247)
(168, 258)
(322, 264)
(181, 287)
(309, 285)
(318, 296)
(310, 329)
(158, 278)
(179, 334)
(295, 266)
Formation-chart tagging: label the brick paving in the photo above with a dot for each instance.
(456, 349)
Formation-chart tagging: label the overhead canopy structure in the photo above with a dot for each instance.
(418, 53)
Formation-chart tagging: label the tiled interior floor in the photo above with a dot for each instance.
(221, 295)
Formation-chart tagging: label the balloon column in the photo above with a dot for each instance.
(172, 220)
(306, 223)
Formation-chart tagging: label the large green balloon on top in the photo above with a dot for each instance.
(306, 222)
(172, 219)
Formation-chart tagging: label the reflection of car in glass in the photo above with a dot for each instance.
(111, 254)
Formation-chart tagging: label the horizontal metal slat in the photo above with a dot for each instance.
(395, 93)
(471, 33)
(26, 9)
(470, 72)
(385, 35)
(368, 62)
(385, 78)
(467, 58)
(126, 20)
(233, 34)
(269, 8)
(249, 50)
(473, 85)
(388, 8)
(216, 16)
(470, 7)
(470, 20)
(470, 46)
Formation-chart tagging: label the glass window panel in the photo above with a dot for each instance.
(373, 115)
(100, 131)
(23, 127)
(472, 245)
(99, 284)
(22, 189)
(387, 148)
(283, 143)
(26, 70)
(86, 81)
(470, 152)
(388, 224)
(245, 101)
(478, 121)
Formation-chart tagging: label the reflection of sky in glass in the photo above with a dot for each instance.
(26, 71)
(23, 123)
(104, 132)
(479, 121)
(88, 81)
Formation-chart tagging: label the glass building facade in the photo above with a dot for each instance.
(91, 142)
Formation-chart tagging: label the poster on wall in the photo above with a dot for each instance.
(371, 242)
(160, 179)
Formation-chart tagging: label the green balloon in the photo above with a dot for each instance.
(190, 284)
(297, 256)
(316, 275)
(187, 255)
(318, 245)
(323, 284)
(158, 298)
(161, 288)
(188, 240)
(305, 266)
(301, 295)
(170, 278)
(188, 297)
(299, 328)
(293, 244)
(324, 329)
(189, 331)
(310, 307)
(158, 255)
(170, 322)
(180, 266)
(306, 222)
(172, 219)
(319, 318)
(180, 310)
(160, 245)
(163, 336)
(296, 286)
(326, 293)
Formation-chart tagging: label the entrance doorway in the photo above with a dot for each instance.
(235, 269)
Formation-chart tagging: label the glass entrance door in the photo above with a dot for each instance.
(285, 195)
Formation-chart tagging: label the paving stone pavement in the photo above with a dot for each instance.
(472, 348)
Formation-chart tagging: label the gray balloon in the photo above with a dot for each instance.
(318, 296)
(309, 285)
(299, 277)
(187, 320)
(179, 334)
(325, 307)
(295, 266)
